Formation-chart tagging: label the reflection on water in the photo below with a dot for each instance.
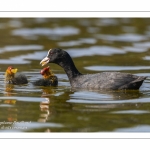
(96, 45)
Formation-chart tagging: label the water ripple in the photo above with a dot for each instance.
(139, 128)
(107, 22)
(122, 37)
(24, 59)
(94, 50)
(142, 45)
(116, 68)
(130, 112)
(25, 126)
(135, 49)
(86, 101)
(11, 48)
(146, 58)
(25, 99)
(15, 23)
(61, 31)
(79, 42)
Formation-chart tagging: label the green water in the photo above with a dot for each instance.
(96, 45)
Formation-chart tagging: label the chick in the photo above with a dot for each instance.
(12, 78)
(49, 79)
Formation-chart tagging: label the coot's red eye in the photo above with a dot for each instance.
(51, 53)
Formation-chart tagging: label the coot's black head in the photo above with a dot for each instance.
(54, 55)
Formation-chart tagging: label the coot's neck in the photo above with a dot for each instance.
(68, 65)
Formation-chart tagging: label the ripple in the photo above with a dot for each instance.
(38, 124)
(93, 29)
(5, 105)
(139, 128)
(2, 25)
(15, 23)
(106, 97)
(11, 48)
(32, 56)
(142, 45)
(128, 29)
(94, 50)
(24, 59)
(123, 37)
(25, 99)
(130, 112)
(21, 126)
(14, 61)
(84, 101)
(90, 95)
(116, 68)
(70, 43)
(61, 31)
(88, 40)
(135, 49)
(107, 22)
(40, 20)
(146, 58)
(79, 42)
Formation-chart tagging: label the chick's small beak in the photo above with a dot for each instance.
(44, 61)
(14, 70)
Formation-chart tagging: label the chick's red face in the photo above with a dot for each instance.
(43, 71)
(11, 70)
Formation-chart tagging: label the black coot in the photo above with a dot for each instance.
(104, 80)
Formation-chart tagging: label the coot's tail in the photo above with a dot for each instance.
(135, 85)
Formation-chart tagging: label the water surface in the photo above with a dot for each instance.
(96, 45)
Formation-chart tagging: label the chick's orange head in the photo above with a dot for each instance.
(11, 70)
(45, 70)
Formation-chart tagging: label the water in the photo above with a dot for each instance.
(98, 44)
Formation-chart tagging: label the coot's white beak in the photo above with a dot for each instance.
(44, 61)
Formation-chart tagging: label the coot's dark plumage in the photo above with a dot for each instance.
(49, 79)
(12, 78)
(104, 80)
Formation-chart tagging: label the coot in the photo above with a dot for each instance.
(12, 78)
(104, 80)
(49, 79)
